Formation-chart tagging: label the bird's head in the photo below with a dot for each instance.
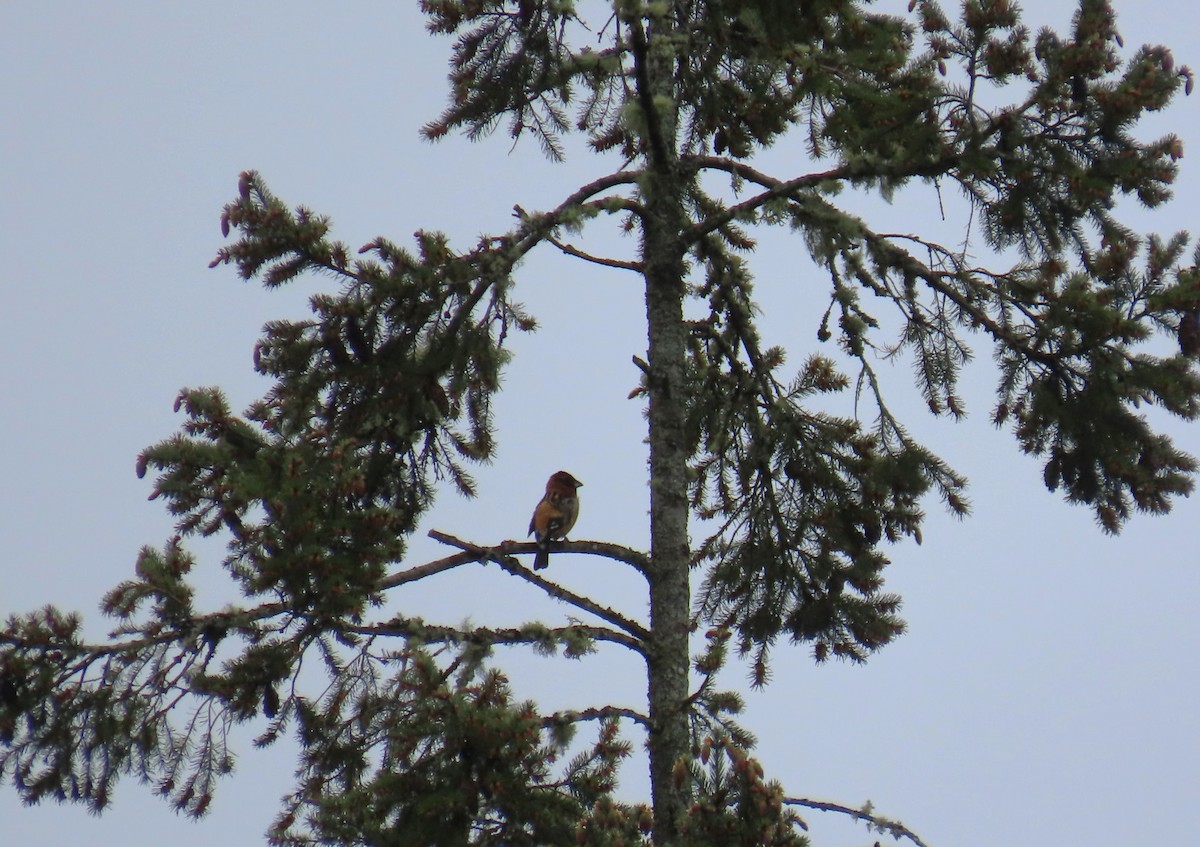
(562, 480)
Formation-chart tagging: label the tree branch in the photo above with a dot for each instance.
(775, 188)
(937, 281)
(527, 634)
(538, 225)
(571, 250)
(200, 626)
(500, 556)
(598, 714)
(233, 619)
(880, 824)
(429, 569)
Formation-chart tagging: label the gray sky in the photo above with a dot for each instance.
(1045, 693)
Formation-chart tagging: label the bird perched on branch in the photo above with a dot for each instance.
(555, 515)
(1189, 333)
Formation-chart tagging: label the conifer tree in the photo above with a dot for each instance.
(411, 734)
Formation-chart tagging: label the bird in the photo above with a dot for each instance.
(554, 515)
(1189, 333)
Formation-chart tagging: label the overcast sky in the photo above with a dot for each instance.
(1046, 691)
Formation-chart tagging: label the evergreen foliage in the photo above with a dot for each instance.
(383, 397)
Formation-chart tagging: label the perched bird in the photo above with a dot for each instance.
(555, 515)
(1189, 333)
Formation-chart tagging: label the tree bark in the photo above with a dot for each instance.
(668, 658)
(663, 223)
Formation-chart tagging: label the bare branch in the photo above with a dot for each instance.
(572, 250)
(474, 553)
(429, 569)
(500, 556)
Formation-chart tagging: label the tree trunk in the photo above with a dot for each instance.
(662, 252)
(668, 658)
